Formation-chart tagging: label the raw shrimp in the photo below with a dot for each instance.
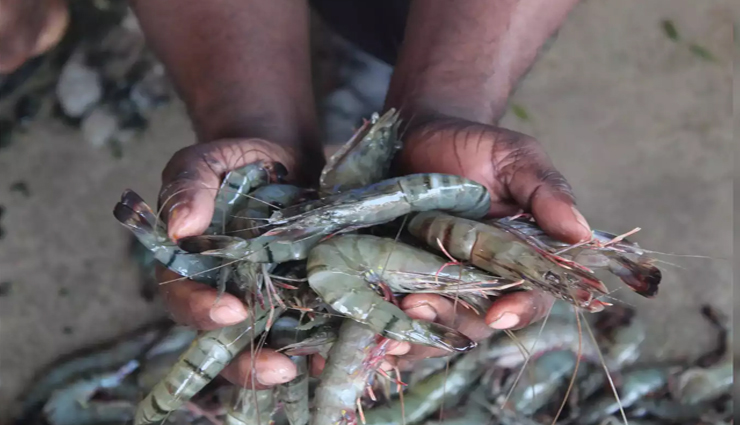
(139, 218)
(294, 394)
(351, 360)
(251, 407)
(111, 357)
(343, 283)
(635, 385)
(502, 252)
(618, 255)
(71, 405)
(385, 201)
(557, 335)
(427, 396)
(536, 389)
(230, 196)
(366, 157)
(199, 365)
(697, 385)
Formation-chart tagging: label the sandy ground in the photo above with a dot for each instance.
(639, 124)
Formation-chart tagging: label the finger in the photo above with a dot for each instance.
(538, 187)
(270, 368)
(434, 308)
(195, 304)
(518, 309)
(388, 363)
(445, 311)
(317, 365)
(57, 20)
(191, 179)
(398, 348)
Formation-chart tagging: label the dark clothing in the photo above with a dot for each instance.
(375, 26)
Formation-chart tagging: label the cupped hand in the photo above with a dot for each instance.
(520, 177)
(189, 185)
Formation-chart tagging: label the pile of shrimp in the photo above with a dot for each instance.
(322, 270)
(486, 386)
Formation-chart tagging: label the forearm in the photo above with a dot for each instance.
(463, 58)
(241, 66)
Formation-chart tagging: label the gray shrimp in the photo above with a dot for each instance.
(502, 252)
(365, 158)
(301, 230)
(251, 407)
(636, 384)
(110, 357)
(507, 352)
(294, 394)
(350, 362)
(697, 385)
(249, 221)
(199, 365)
(71, 405)
(469, 414)
(537, 388)
(620, 351)
(342, 282)
(608, 251)
(134, 214)
(426, 397)
(230, 196)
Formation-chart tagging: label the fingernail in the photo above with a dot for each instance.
(422, 312)
(273, 376)
(177, 222)
(506, 321)
(581, 219)
(227, 315)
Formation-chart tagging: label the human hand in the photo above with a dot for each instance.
(29, 28)
(189, 184)
(519, 176)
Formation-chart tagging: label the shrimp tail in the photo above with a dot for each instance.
(448, 339)
(132, 200)
(135, 214)
(641, 277)
(132, 220)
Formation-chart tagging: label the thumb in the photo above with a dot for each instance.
(192, 178)
(543, 191)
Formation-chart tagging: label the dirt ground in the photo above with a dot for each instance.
(640, 124)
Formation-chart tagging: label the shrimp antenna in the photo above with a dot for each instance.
(608, 375)
(578, 363)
